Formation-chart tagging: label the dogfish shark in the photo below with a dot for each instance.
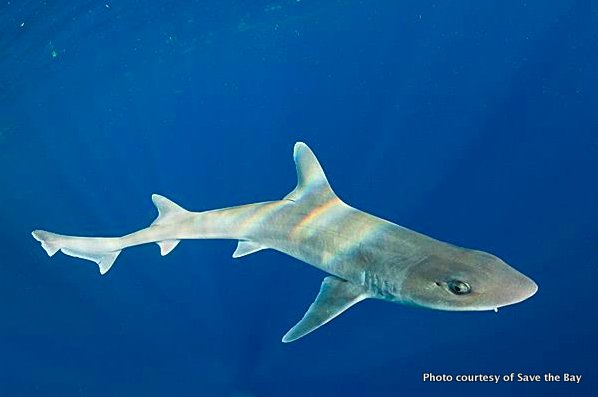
(366, 257)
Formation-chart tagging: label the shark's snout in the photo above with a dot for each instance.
(474, 281)
(518, 290)
(533, 288)
(503, 286)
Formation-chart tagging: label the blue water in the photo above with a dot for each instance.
(473, 122)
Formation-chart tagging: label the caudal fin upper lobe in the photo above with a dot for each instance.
(79, 247)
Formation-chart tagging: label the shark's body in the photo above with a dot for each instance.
(366, 256)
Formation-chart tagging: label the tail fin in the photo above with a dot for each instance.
(49, 241)
(79, 247)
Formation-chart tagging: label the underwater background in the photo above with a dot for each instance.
(473, 122)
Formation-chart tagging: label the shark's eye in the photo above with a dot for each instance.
(458, 287)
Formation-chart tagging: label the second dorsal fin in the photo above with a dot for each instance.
(167, 209)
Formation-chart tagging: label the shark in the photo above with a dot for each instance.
(365, 257)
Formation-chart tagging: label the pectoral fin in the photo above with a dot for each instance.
(335, 297)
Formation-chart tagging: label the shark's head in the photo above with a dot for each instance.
(465, 280)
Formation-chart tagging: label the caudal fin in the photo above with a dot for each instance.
(49, 241)
(79, 247)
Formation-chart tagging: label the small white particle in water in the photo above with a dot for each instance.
(22, 24)
(496, 310)
(107, 5)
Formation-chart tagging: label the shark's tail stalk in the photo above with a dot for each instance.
(104, 250)
(79, 247)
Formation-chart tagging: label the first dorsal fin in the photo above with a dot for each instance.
(312, 184)
(167, 209)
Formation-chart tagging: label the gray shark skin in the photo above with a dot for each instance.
(366, 256)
